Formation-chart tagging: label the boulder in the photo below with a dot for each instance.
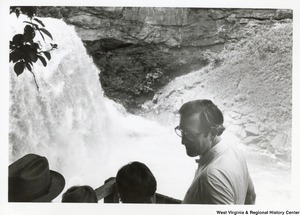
(243, 133)
(252, 140)
(279, 142)
(235, 129)
(252, 130)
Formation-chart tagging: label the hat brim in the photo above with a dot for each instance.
(56, 187)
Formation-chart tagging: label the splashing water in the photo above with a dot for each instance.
(59, 116)
(84, 135)
(88, 137)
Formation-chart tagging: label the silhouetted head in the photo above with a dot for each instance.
(31, 180)
(135, 183)
(77, 194)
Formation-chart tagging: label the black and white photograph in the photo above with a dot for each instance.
(140, 108)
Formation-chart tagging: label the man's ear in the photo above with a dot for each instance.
(213, 133)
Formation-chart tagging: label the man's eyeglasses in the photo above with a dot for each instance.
(182, 133)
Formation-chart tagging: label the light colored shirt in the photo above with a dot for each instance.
(222, 177)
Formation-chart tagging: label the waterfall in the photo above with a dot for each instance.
(88, 137)
(66, 119)
(84, 135)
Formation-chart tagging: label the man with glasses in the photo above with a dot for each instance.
(222, 176)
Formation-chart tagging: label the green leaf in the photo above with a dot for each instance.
(46, 32)
(42, 35)
(29, 11)
(33, 56)
(35, 46)
(17, 13)
(28, 29)
(30, 41)
(30, 54)
(42, 59)
(18, 39)
(15, 56)
(12, 10)
(28, 66)
(54, 46)
(19, 68)
(47, 54)
(11, 45)
(39, 21)
(29, 33)
(30, 23)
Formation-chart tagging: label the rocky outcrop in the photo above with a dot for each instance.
(139, 50)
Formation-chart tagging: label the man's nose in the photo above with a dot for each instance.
(183, 140)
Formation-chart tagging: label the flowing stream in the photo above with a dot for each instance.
(88, 137)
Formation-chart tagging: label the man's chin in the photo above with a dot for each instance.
(191, 153)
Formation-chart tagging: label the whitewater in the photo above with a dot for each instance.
(88, 137)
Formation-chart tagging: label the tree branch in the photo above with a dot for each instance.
(37, 86)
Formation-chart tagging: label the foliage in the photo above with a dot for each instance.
(24, 51)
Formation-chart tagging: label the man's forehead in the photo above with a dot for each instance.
(191, 120)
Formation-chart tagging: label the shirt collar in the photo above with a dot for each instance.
(212, 153)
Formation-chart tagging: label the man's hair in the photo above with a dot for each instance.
(84, 194)
(210, 117)
(135, 183)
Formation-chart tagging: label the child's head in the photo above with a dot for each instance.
(135, 183)
(84, 194)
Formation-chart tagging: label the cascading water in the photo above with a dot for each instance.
(87, 137)
(67, 110)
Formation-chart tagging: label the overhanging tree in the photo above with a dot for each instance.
(24, 50)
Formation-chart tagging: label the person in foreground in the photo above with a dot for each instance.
(222, 176)
(135, 183)
(80, 194)
(30, 180)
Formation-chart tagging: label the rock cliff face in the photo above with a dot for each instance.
(244, 59)
(139, 50)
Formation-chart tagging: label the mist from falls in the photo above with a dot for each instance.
(88, 137)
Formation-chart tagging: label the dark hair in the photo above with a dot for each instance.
(135, 183)
(80, 194)
(210, 117)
